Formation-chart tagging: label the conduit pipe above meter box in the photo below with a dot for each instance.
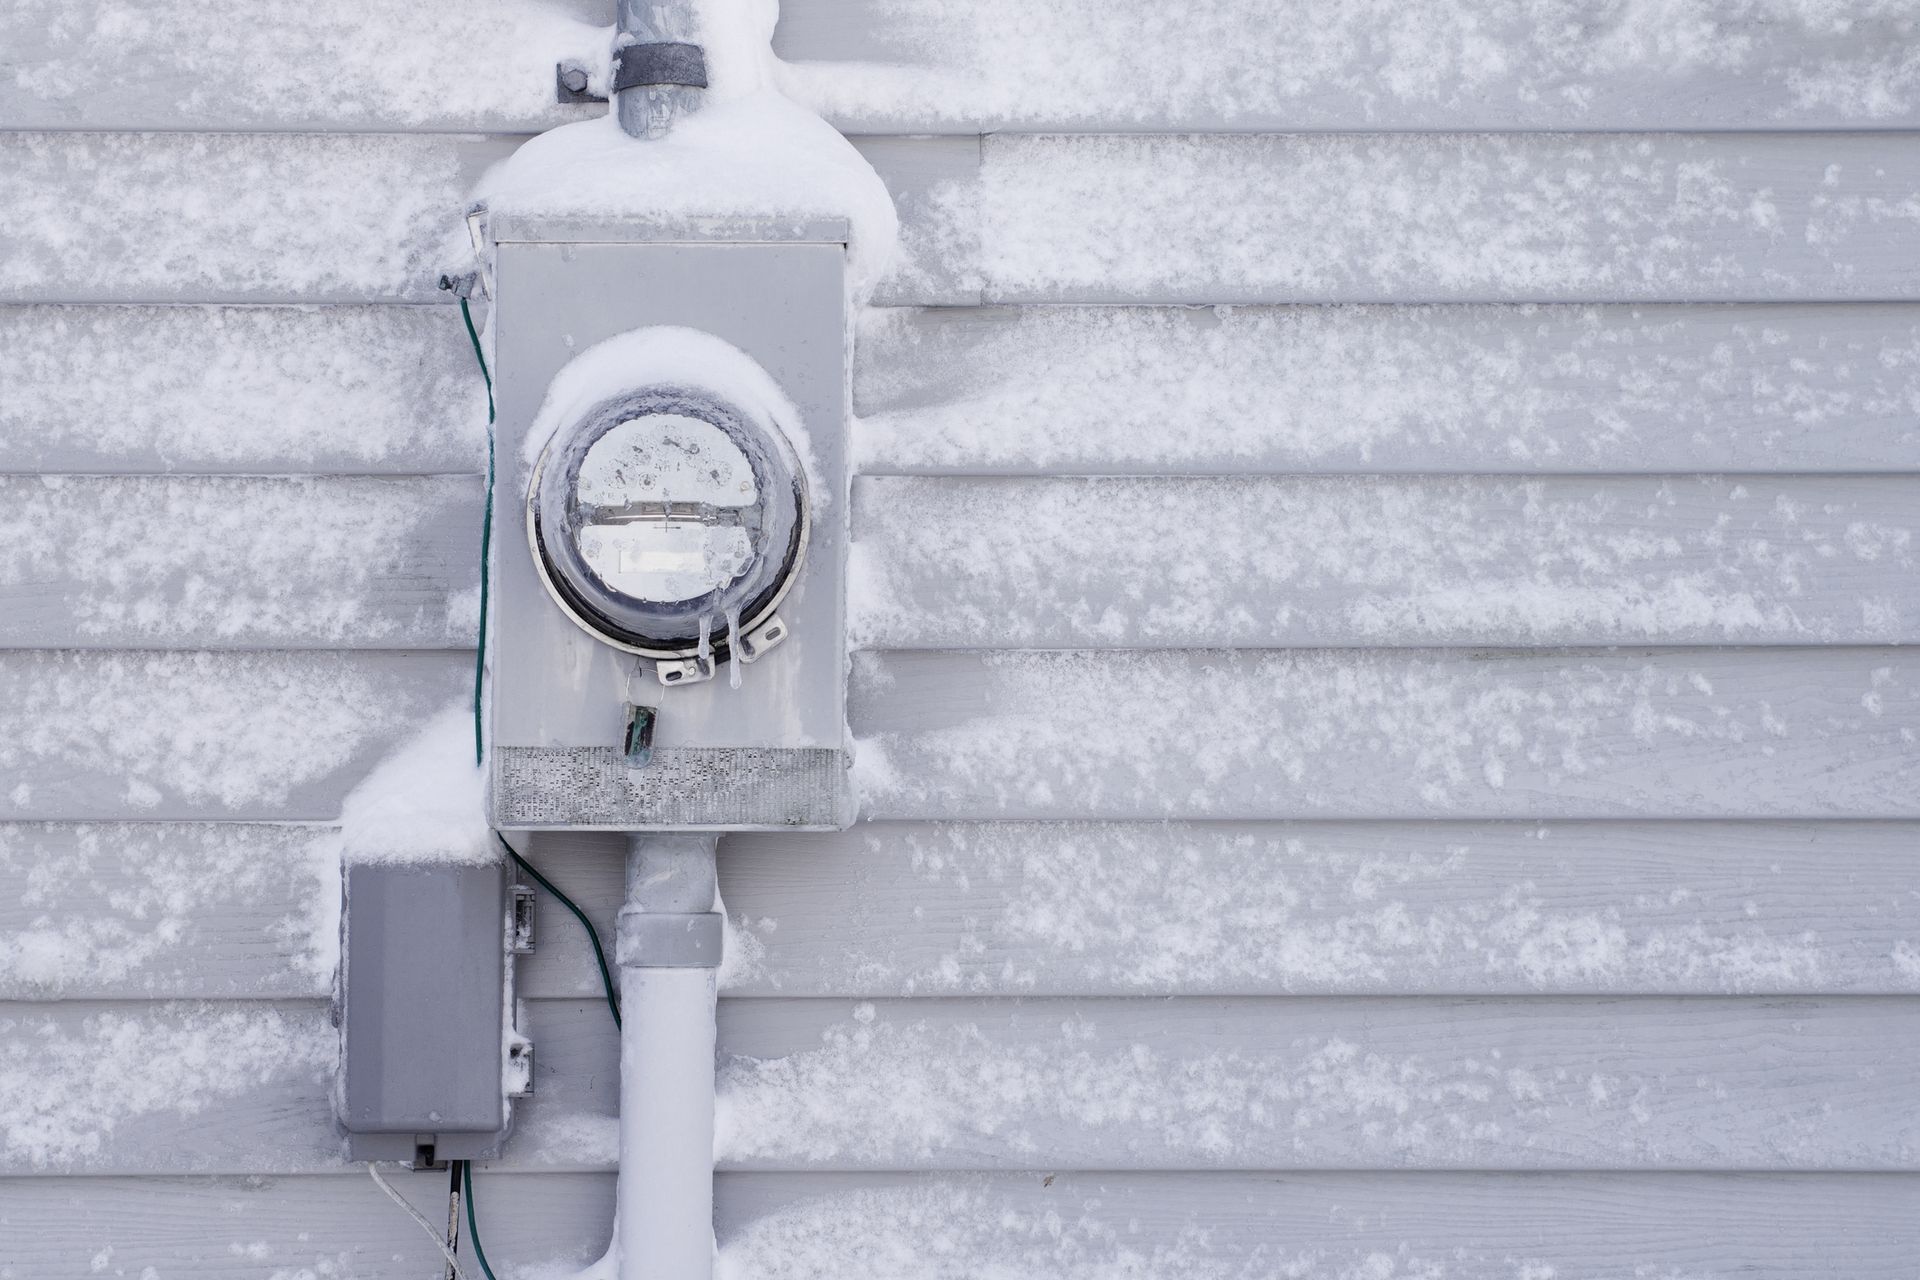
(668, 638)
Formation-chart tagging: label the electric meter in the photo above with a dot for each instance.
(669, 522)
(672, 429)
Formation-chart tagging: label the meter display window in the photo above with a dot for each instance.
(668, 522)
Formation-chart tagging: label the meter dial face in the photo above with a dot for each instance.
(666, 520)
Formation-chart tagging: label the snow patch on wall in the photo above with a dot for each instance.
(301, 560)
(424, 801)
(268, 388)
(148, 907)
(1452, 62)
(67, 1086)
(1380, 734)
(1226, 1084)
(342, 64)
(1447, 388)
(210, 730)
(1393, 217)
(209, 217)
(978, 563)
(1068, 908)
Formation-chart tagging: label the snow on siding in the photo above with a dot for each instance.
(968, 907)
(1469, 63)
(198, 562)
(67, 1086)
(1230, 563)
(344, 64)
(233, 732)
(1427, 218)
(1450, 388)
(269, 389)
(207, 217)
(115, 905)
(1305, 733)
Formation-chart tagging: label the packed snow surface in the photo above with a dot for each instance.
(673, 356)
(757, 155)
(423, 802)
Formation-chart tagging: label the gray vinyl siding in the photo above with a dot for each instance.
(1368, 932)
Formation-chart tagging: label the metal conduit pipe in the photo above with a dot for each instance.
(649, 110)
(669, 954)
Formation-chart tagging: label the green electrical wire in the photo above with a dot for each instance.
(486, 536)
(479, 757)
(473, 1225)
(479, 675)
(593, 935)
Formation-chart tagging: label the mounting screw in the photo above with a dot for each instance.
(570, 81)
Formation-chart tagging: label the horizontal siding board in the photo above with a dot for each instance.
(1208, 219)
(1207, 1083)
(1069, 1227)
(207, 735)
(1613, 389)
(239, 562)
(201, 910)
(271, 389)
(909, 909)
(1068, 734)
(1433, 218)
(1237, 562)
(339, 1226)
(1040, 390)
(386, 562)
(1754, 733)
(883, 65)
(993, 64)
(160, 910)
(1298, 1083)
(1578, 1227)
(485, 66)
(261, 218)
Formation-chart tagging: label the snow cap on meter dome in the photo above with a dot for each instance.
(668, 503)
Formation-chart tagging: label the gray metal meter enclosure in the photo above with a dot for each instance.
(668, 646)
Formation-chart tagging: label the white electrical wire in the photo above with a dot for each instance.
(420, 1218)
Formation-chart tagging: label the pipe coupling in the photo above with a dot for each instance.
(668, 940)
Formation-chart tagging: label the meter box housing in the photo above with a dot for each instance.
(667, 645)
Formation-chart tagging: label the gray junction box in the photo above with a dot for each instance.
(428, 1048)
(772, 752)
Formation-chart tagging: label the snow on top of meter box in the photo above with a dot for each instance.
(676, 356)
(748, 151)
